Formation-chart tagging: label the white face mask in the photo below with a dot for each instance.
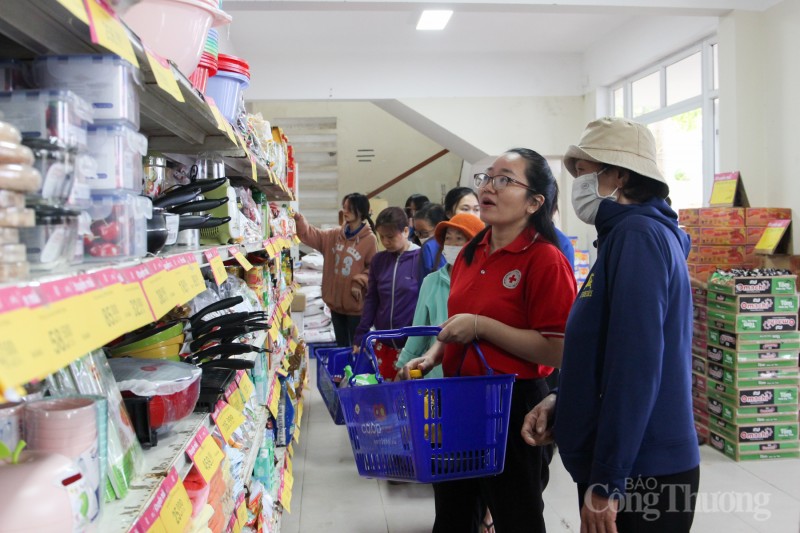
(423, 241)
(450, 253)
(586, 199)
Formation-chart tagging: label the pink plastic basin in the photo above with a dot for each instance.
(175, 29)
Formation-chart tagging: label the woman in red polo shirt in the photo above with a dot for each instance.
(511, 292)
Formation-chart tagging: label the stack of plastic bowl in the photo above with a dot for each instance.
(163, 342)
(226, 87)
(176, 29)
(208, 62)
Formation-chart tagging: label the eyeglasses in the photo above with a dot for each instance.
(498, 182)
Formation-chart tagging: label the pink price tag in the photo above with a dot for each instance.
(10, 299)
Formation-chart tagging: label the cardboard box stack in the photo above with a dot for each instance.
(699, 363)
(752, 364)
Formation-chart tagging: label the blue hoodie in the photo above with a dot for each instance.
(624, 405)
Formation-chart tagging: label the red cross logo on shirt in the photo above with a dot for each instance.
(512, 279)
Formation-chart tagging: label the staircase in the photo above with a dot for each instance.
(314, 140)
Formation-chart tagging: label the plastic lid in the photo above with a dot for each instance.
(46, 215)
(233, 64)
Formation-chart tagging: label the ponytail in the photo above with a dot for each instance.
(469, 249)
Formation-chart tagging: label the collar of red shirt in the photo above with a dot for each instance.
(523, 241)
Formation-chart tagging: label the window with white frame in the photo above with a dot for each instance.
(678, 98)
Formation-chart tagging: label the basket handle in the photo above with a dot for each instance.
(411, 331)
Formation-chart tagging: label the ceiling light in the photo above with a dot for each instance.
(434, 19)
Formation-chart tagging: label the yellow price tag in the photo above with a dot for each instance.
(107, 304)
(228, 420)
(246, 387)
(273, 330)
(237, 527)
(218, 118)
(772, 236)
(159, 291)
(272, 250)
(723, 191)
(240, 258)
(165, 78)
(287, 322)
(109, 32)
(286, 492)
(206, 454)
(217, 268)
(235, 400)
(286, 364)
(290, 449)
(254, 168)
(296, 239)
(77, 8)
(241, 513)
(23, 356)
(229, 131)
(135, 309)
(177, 511)
(274, 397)
(292, 346)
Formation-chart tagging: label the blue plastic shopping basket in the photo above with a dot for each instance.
(330, 365)
(428, 430)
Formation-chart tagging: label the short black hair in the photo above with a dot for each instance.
(454, 196)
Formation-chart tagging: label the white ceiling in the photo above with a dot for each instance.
(325, 49)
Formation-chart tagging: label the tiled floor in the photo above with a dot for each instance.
(330, 497)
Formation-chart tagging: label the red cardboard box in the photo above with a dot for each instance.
(722, 236)
(761, 216)
(689, 217)
(754, 234)
(731, 217)
(721, 255)
(693, 232)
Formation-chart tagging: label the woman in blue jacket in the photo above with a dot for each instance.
(623, 411)
(393, 287)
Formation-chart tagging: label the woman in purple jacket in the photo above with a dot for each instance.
(393, 287)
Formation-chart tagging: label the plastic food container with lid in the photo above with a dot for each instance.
(118, 151)
(58, 116)
(106, 82)
(119, 226)
(174, 387)
(51, 243)
(57, 167)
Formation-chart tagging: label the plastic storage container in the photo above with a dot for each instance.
(119, 226)
(118, 150)
(106, 82)
(60, 117)
(13, 75)
(51, 243)
(57, 167)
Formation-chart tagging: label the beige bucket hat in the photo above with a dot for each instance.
(618, 142)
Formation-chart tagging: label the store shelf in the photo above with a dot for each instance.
(121, 515)
(29, 29)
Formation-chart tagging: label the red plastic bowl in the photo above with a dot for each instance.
(199, 78)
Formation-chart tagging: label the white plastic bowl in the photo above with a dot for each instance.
(175, 29)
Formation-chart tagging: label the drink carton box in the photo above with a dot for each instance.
(728, 284)
(779, 303)
(771, 358)
(752, 451)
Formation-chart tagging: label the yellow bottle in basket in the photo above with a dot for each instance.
(429, 405)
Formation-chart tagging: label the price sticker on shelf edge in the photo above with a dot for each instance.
(286, 492)
(227, 420)
(241, 511)
(254, 168)
(165, 78)
(246, 387)
(240, 258)
(217, 268)
(195, 275)
(109, 32)
(177, 510)
(136, 311)
(67, 332)
(205, 453)
(158, 288)
(23, 356)
(107, 304)
(234, 398)
(77, 8)
(274, 397)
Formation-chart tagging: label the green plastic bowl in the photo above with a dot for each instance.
(148, 338)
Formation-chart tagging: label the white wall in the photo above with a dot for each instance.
(397, 146)
(759, 107)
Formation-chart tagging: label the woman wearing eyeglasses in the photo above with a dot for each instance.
(511, 291)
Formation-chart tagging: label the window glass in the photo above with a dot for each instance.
(684, 79)
(619, 102)
(679, 143)
(646, 94)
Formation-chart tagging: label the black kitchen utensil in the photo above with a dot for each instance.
(216, 306)
(197, 206)
(192, 221)
(177, 196)
(227, 333)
